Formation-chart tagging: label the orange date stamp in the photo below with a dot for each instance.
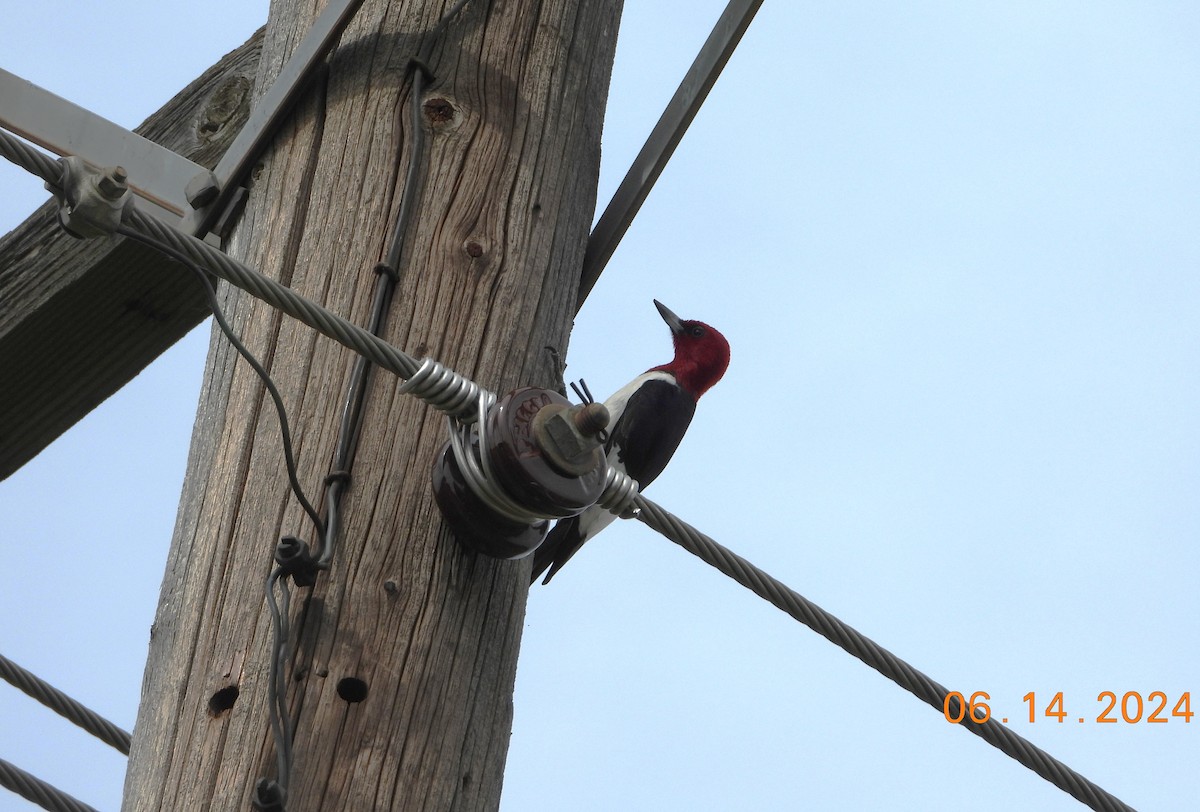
(1129, 708)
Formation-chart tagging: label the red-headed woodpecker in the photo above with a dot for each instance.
(647, 419)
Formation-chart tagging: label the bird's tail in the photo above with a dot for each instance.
(560, 544)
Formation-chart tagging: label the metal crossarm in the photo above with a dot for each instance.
(663, 139)
(214, 191)
(157, 175)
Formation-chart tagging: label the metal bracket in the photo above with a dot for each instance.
(663, 139)
(166, 185)
(211, 193)
(157, 175)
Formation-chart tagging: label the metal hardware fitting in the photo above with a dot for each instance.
(92, 202)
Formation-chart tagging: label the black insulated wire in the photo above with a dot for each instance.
(280, 717)
(271, 796)
(219, 316)
(351, 426)
(386, 278)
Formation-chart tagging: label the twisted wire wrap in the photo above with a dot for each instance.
(447, 391)
(466, 405)
(871, 653)
(620, 491)
(64, 705)
(37, 791)
(476, 468)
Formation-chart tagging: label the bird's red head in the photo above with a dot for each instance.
(701, 353)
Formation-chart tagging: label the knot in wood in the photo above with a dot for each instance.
(228, 103)
(441, 113)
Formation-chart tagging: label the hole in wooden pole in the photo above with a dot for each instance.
(352, 689)
(222, 700)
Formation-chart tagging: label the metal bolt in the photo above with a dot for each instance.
(592, 419)
(202, 190)
(568, 436)
(112, 183)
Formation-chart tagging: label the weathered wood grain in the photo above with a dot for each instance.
(489, 280)
(80, 318)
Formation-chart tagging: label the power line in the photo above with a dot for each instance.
(63, 705)
(34, 789)
(850, 640)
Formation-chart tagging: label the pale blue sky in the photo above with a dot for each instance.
(954, 247)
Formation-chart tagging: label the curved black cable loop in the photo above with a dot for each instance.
(293, 557)
(63, 705)
(219, 317)
(35, 790)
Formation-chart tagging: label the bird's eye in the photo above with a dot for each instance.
(696, 330)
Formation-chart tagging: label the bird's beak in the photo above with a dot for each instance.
(670, 318)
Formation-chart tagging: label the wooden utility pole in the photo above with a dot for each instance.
(512, 120)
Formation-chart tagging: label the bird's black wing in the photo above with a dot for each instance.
(650, 429)
(645, 437)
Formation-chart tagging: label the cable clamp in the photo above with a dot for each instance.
(294, 557)
(92, 202)
(383, 269)
(269, 796)
(341, 475)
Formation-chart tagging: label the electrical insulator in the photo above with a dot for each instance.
(544, 456)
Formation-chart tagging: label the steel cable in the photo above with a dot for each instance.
(37, 791)
(30, 159)
(329, 324)
(314, 315)
(871, 653)
(64, 705)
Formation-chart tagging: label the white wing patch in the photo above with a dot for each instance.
(617, 402)
(595, 519)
